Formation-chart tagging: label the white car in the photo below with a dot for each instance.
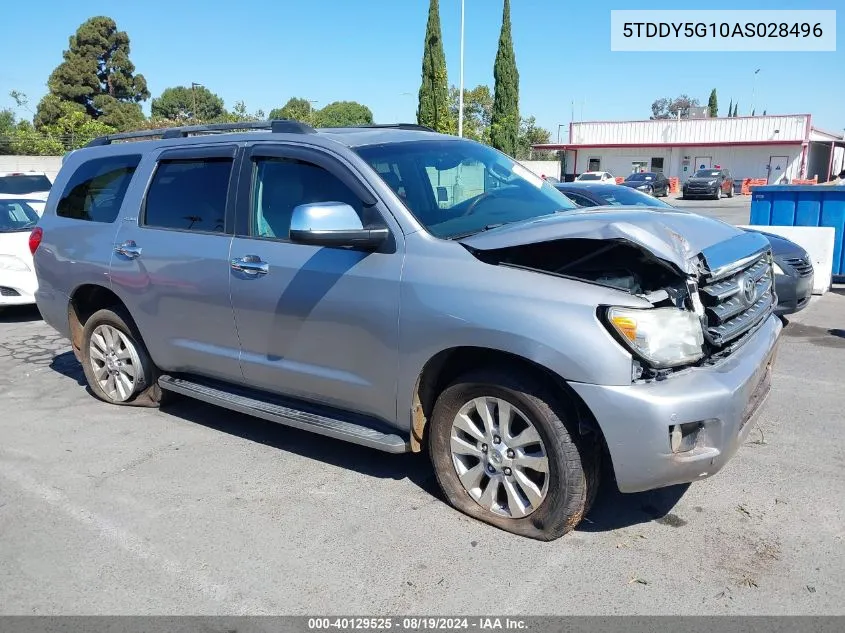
(32, 185)
(597, 176)
(17, 273)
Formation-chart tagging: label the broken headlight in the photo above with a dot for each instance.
(663, 337)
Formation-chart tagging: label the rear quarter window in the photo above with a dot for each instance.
(96, 189)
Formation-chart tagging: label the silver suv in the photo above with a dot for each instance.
(407, 291)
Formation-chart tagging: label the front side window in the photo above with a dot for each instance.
(96, 189)
(279, 185)
(16, 215)
(457, 187)
(189, 195)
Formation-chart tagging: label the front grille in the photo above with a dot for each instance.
(8, 292)
(802, 265)
(736, 304)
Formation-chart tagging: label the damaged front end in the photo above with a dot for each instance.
(706, 298)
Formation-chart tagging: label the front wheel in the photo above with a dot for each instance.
(718, 194)
(508, 452)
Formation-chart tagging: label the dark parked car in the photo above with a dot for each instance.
(650, 182)
(792, 265)
(709, 183)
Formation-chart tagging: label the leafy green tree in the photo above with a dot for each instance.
(74, 128)
(296, 109)
(343, 114)
(7, 130)
(433, 106)
(96, 74)
(240, 114)
(530, 134)
(178, 103)
(713, 104)
(730, 109)
(670, 108)
(478, 111)
(27, 141)
(504, 124)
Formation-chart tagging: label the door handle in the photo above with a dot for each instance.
(250, 265)
(128, 249)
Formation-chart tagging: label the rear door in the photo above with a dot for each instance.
(171, 262)
(315, 323)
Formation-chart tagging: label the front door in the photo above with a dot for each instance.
(703, 162)
(315, 323)
(777, 168)
(171, 263)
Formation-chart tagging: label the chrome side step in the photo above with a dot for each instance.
(231, 397)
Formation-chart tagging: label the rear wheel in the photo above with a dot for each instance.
(650, 190)
(718, 194)
(508, 452)
(116, 362)
(731, 192)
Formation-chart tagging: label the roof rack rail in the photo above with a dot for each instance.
(278, 126)
(399, 126)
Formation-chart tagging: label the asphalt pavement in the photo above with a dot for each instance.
(197, 510)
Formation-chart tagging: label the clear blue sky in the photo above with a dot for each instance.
(265, 51)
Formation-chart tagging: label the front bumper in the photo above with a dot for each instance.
(636, 419)
(794, 293)
(17, 287)
(699, 191)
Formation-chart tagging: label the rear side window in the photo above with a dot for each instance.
(97, 188)
(189, 195)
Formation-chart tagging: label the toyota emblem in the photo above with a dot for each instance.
(748, 289)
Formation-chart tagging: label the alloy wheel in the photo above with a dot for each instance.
(115, 361)
(499, 457)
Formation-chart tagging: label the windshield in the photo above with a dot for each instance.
(629, 197)
(456, 188)
(18, 185)
(640, 177)
(16, 215)
(589, 177)
(707, 173)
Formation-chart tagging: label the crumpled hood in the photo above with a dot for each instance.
(674, 236)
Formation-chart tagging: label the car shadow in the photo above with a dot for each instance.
(414, 466)
(613, 510)
(19, 314)
(67, 365)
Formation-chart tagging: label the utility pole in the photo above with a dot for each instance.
(461, 93)
(754, 88)
(194, 99)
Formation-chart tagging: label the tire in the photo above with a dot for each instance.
(731, 192)
(112, 330)
(718, 194)
(566, 490)
(650, 191)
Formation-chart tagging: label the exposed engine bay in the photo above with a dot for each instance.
(614, 263)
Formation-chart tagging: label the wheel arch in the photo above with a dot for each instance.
(446, 365)
(85, 300)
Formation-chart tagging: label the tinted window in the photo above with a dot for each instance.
(459, 187)
(641, 176)
(589, 177)
(579, 199)
(189, 195)
(97, 188)
(627, 196)
(280, 185)
(18, 185)
(16, 215)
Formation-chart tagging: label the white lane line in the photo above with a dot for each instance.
(228, 600)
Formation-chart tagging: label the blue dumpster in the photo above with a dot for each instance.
(803, 205)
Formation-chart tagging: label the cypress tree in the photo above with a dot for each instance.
(713, 104)
(731, 109)
(736, 108)
(504, 125)
(433, 108)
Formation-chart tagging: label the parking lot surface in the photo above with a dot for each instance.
(194, 509)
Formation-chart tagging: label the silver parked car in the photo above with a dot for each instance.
(408, 291)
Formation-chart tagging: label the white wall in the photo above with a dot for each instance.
(48, 164)
(742, 161)
(543, 167)
(669, 131)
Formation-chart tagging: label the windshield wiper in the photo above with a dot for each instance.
(487, 227)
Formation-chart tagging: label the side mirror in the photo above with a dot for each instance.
(333, 224)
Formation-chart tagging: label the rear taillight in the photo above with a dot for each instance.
(35, 239)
